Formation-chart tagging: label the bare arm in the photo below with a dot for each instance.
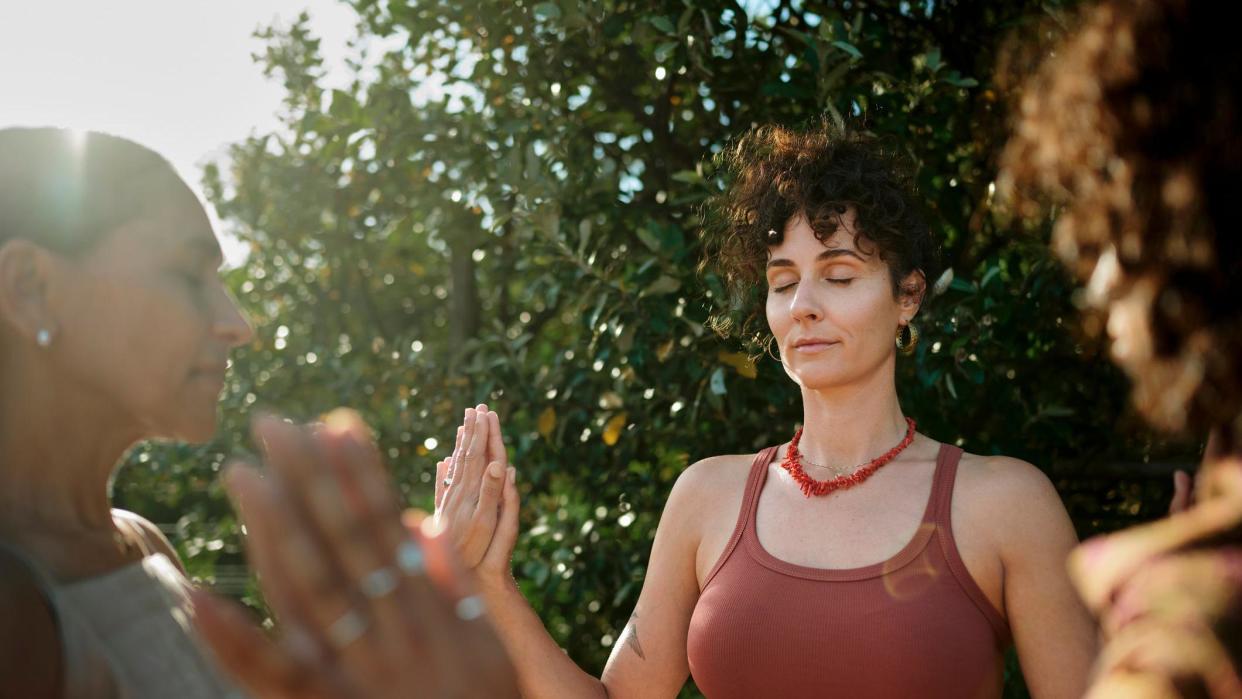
(1054, 634)
(649, 658)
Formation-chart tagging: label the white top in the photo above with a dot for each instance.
(129, 634)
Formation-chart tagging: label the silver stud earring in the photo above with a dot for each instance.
(44, 338)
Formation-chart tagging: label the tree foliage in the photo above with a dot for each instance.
(501, 206)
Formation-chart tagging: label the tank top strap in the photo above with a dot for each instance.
(942, 515)
(746, 513)
(941, 509)
(754, 485)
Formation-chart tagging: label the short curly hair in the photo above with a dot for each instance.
(1130, 131)
(774, 173)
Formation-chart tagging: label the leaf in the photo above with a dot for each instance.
(664, 285)
(932, 60)
(948, 383)
(344, 106)
(649, 238)
(741, 362)
(959, 284)
(848, 48)
(612, 430)
(547, 11)
(991, 273)
(717, 383)
(664, 350)
(687, 177)
(957, 80)
(584, 235)
(662, 23)
(547, 422)
(663, 51)
(942, 284)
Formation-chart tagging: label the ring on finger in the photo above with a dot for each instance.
(411, 559)
(348, 627)
(379, 583)
(470, 608)
(447, 482)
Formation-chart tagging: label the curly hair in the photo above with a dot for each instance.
(1130, 132)
(773, 174)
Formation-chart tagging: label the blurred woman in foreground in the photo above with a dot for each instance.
(115, 327)
(1133, 130)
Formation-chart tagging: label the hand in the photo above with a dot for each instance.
(367, 608)
(477, 505)
(1168, 595)
(1183, 492)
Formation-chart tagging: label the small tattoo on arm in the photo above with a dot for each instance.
(631, 636)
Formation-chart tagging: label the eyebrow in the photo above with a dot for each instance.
(825, 255)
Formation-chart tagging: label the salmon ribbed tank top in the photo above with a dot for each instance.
(916, 625)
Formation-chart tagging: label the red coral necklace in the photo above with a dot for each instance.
(793, 463)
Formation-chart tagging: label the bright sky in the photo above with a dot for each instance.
(175, 75)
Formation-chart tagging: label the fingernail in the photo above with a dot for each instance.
(493, 470)
(512, 474)
(345, 421)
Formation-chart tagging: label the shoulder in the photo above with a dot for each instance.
(713, 477)
(708, 487)
(1005, 479)
(143, 533)
(31, 656)
(1017, 499)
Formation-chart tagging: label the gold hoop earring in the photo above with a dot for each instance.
(767, 347)
(904, 345)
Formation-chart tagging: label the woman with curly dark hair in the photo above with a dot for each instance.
(861, 558)
(1132, 131)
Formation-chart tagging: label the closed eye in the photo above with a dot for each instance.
(843, 281)
(783, 288)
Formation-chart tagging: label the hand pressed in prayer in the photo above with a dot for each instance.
(1168, 596)
(477, 498)
(367, 606)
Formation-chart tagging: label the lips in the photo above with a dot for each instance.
(813, 344)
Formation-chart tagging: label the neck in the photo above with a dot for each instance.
(854, 423)
(60, 445)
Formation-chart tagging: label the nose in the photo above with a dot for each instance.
(231, 324)
(805, 306)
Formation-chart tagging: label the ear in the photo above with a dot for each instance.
(911, 292)
(25, 273)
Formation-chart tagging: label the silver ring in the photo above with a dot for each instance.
(410, 558)
(379, 583)
(349, 627)
(470, 608)
(447, 482)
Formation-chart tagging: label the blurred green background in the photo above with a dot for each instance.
(502, 208)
